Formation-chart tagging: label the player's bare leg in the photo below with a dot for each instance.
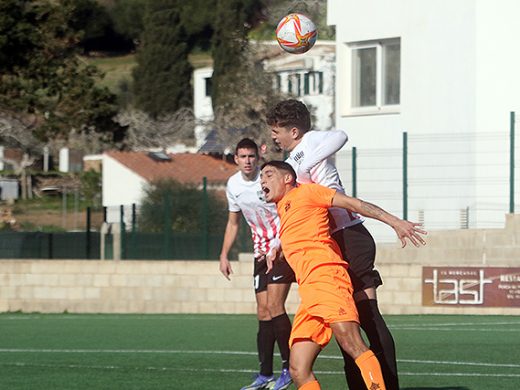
(276, 297)
(349, 338)
(262, 308)
(303, 356)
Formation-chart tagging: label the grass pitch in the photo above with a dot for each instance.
(72, 351)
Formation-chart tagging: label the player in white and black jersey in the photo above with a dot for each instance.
(245, 197)
(309, 151)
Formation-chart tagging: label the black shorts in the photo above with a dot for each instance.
(359, 250)
(281, 273)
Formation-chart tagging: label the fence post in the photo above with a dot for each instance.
(512, 163)
(405, 175)
(50, 243)
(167, 228)
(354, 172)
(205, 217)
(88, 233)
(122, 231)
(134, 217)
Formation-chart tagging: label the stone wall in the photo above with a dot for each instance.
(89, 286)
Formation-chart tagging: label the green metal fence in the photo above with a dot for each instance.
(39, 245)
(446, 180)
(123, 228)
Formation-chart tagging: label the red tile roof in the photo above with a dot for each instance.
(183, 167)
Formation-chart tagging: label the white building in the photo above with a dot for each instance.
(447, 73)
(202, 108)
(308, 77)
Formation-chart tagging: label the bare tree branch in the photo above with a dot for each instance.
(167, 130)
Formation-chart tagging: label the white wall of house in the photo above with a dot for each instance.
(202, 108)
(458, 82)
(121, 186)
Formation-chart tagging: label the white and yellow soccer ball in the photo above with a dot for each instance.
(296, 33)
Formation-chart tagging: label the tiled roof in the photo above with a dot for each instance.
(183, 167)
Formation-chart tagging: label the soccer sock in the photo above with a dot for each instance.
(313, 385)
(282, 330)
(381, 343)
(380, 339)
(371, 370)
(265, 339)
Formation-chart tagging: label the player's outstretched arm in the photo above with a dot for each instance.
(324, 144)
(404, 229)
(230, 235)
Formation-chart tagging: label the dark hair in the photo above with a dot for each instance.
(290, 113)
(282, 166)
(247, 143)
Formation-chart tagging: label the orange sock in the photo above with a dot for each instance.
(313, 385)
(371, 370)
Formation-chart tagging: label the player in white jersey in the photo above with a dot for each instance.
(290, 125)
(245, 196)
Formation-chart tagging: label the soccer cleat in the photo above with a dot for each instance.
(284, 380)
(260, 382)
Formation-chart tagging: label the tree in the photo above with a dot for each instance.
(181, 205)
(241, 89)
(233, 20)
(97, 24)
(143, 131)
(244, 111)
(277, 9)
(41, 74)
(17, 131)
(127, 16)
(163, 73)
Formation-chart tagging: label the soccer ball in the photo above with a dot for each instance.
(296, 33)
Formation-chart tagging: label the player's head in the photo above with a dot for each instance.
(289, 120)
(246, 157)
(277, 178)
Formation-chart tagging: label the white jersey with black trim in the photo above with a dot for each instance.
(246, 196)
(318, 146)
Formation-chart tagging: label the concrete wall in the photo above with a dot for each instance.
(198, 287)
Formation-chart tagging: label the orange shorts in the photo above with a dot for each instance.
(326, 297)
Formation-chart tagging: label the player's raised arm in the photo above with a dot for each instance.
(324, 144)
(404, 229)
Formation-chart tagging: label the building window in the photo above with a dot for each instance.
(207, 87)
(375, 75)
(313, 83)
(294, 84)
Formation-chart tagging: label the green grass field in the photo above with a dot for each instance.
(119, 68)
(72, 351)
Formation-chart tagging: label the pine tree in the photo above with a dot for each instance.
(42, 77)
(163, 73)
(233, 20)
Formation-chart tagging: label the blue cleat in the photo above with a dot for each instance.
(284, 380)
(260, 382)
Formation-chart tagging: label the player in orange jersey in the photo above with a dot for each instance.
(327, 306)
